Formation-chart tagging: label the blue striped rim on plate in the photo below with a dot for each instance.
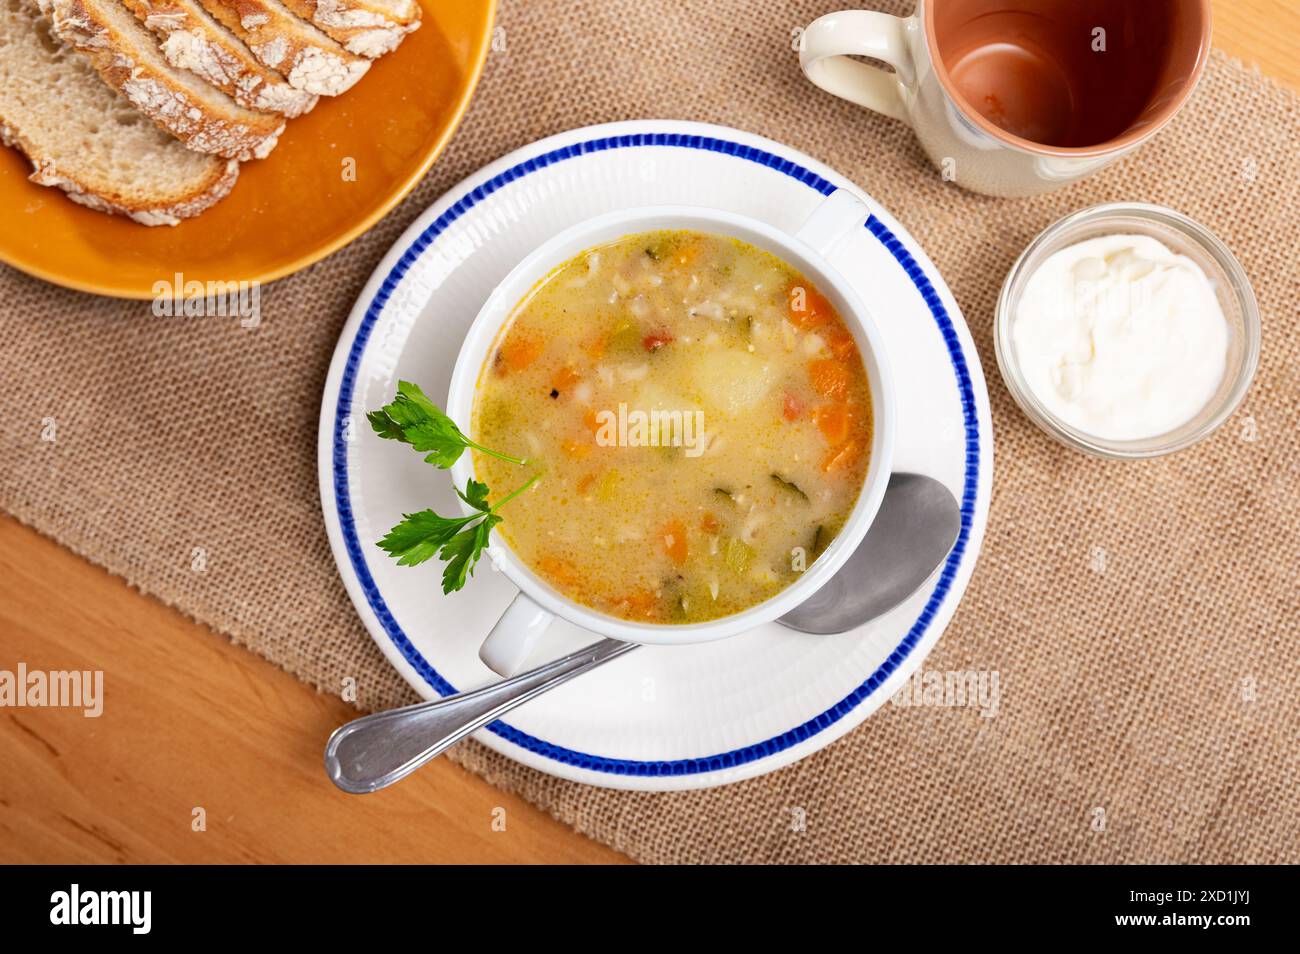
(722, 760)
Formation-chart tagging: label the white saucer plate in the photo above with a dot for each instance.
(664, 717)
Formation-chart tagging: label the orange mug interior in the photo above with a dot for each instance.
(1069, 75)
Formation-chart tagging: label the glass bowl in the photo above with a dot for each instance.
(1184, 236)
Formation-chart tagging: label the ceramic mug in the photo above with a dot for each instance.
(538, 603)
(1018, 97)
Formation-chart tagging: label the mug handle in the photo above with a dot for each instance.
(828, 43)
(514, 635)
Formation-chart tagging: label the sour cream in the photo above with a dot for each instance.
(1120, 337)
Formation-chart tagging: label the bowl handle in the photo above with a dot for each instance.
(514, 635)
(840, 216)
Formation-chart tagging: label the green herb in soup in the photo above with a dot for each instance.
(697, 418)
(413, 419)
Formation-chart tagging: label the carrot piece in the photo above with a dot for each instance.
(808, 307)
(830, 378)
(656, 340)
(520, 349)
(673, 538)
(558, 570)
(564, 379)
(709, 523)
(833, 421)
(839, 339)
(585, 483)
(589, 420)
(642, 603)
(685, 256)
(842, 457)
(595, 345)
(792, 407)
(577, 449)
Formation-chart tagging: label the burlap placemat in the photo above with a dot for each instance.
(1142, 617)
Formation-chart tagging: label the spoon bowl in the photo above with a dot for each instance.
(916, 526)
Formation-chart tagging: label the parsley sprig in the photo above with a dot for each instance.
(413, 419)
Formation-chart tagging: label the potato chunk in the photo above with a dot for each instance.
(732, 381)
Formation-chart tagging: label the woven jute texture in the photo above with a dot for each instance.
(1142, 617)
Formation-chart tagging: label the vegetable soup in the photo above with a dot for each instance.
(698, 417)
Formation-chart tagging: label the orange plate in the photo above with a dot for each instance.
(288, 210)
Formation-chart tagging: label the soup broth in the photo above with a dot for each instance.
(699, 418)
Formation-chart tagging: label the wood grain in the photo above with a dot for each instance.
(192, 722)
(1263, 33)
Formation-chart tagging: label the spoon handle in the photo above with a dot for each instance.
(377, 750)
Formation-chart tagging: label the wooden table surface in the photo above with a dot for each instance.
(197, 723)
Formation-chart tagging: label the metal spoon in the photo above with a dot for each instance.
(916, 526)
(913, 531)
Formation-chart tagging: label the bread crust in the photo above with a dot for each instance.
(191, 41)
(360, 26)
(46, 172)
(303, 55)
(220, 88)
(235, 133)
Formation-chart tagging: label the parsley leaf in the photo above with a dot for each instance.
(463, 550)
(419, 535)
(458, 540)
(385, 426)
(413, 419)
(475, 495)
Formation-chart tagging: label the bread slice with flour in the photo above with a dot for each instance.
(128, 58)
(83, 137)
(192, 40)
(298, 51)
(365, 27)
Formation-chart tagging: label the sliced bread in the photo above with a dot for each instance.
(365, 27)
(302, 54)
(191, 109)
(86, 139)
(192, 40)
